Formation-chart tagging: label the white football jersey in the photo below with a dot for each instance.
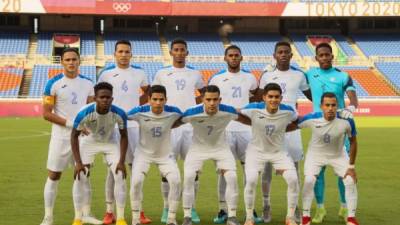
(70, 96)
(327, 137)
(209, 131)
(101, 126)
(155, 130)
(268, 129)
(235, 91)
(291, 81)
(181, 85)
(126, 86)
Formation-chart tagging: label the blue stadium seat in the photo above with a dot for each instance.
(255, 44)
(10, 85)
(378, 44)
(12, 43)
(88, 43)
(209, 44)
(391, 70)
(142, 43)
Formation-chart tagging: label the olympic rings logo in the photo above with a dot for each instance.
(121, 7)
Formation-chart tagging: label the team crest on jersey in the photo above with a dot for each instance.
(332, 79)
(316, 75)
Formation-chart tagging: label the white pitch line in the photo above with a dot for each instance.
(40, 134)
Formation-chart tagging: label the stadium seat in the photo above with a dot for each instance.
(255, 44)
(371, 83)
(201, 44)
(142, 43)
(10, 82)
(378, 44)
(12, 43)
(392, 71)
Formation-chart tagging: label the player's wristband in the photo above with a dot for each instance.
(69, 124)
(352, 166)
(351, 108)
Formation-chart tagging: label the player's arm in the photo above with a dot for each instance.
(177, 123)
(89, 99)
(307, 93)
(49, 115)
(145, 96)
(79, 167)
(253, 95)
(199, 99)
(353, 154)
(353, 98)
(293, 126)
(123, 146)
(243, 118)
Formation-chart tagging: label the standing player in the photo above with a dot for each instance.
(326, 148)
(64, 95)
(155, 121)
(181, 83)
(323, 79)
(291, 81)
(269, 120)
(209, 121)
(127, 81)
(236, 86)
(99, 119)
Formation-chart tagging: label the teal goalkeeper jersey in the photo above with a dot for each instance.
(330, 80)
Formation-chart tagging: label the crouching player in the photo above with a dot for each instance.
(326, 148)
(269, 120)
(98, 120)
(155, 121)
(209, 121)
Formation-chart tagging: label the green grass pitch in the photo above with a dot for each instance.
(23, 154)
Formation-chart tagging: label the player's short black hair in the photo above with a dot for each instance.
(272, 87)
(178, 41)
(103, 86)
(328, 95)
(323, 45)
(282, 43)
(122, 42)
(158, 89)
(211, 89)
(233, 47)
(65, 50)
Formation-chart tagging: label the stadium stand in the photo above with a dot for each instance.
(300, 41)
(143, 43)
(88, 43)
(207, 44)
(10, 82)
(12, 43)
(392, 71)
(255, 44)
(42, 73)
(378, 44)
(371, 83)
(344, 45)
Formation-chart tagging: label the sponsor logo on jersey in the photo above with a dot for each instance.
(116, 75)
(200, 121)
(64, 86)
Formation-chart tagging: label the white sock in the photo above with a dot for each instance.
(221, 192)
(308, 193)
(164, 192)
(351, 195)
(50, 193)
(266, 184)
(231, 192)
(87, 197)
(291, 179)
(188, 192)
(120, 194)
(249, 192)
(174, 181)
(109, 192)
(78, 194)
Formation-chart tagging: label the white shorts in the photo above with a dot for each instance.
(223, 158)
(133, 141)
(89, 149)
(141, 164)
(181, 139)
(256, 160)
(238, 141)
(314, 163)
(294, 145)
(60, 155)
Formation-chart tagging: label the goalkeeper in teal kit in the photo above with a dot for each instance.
(323, 79)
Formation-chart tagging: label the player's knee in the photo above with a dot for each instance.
(174, 179)
(137, 180)
(291, 177)
(54, 176)
(309, 180)
(230, 176)
(251, 178)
